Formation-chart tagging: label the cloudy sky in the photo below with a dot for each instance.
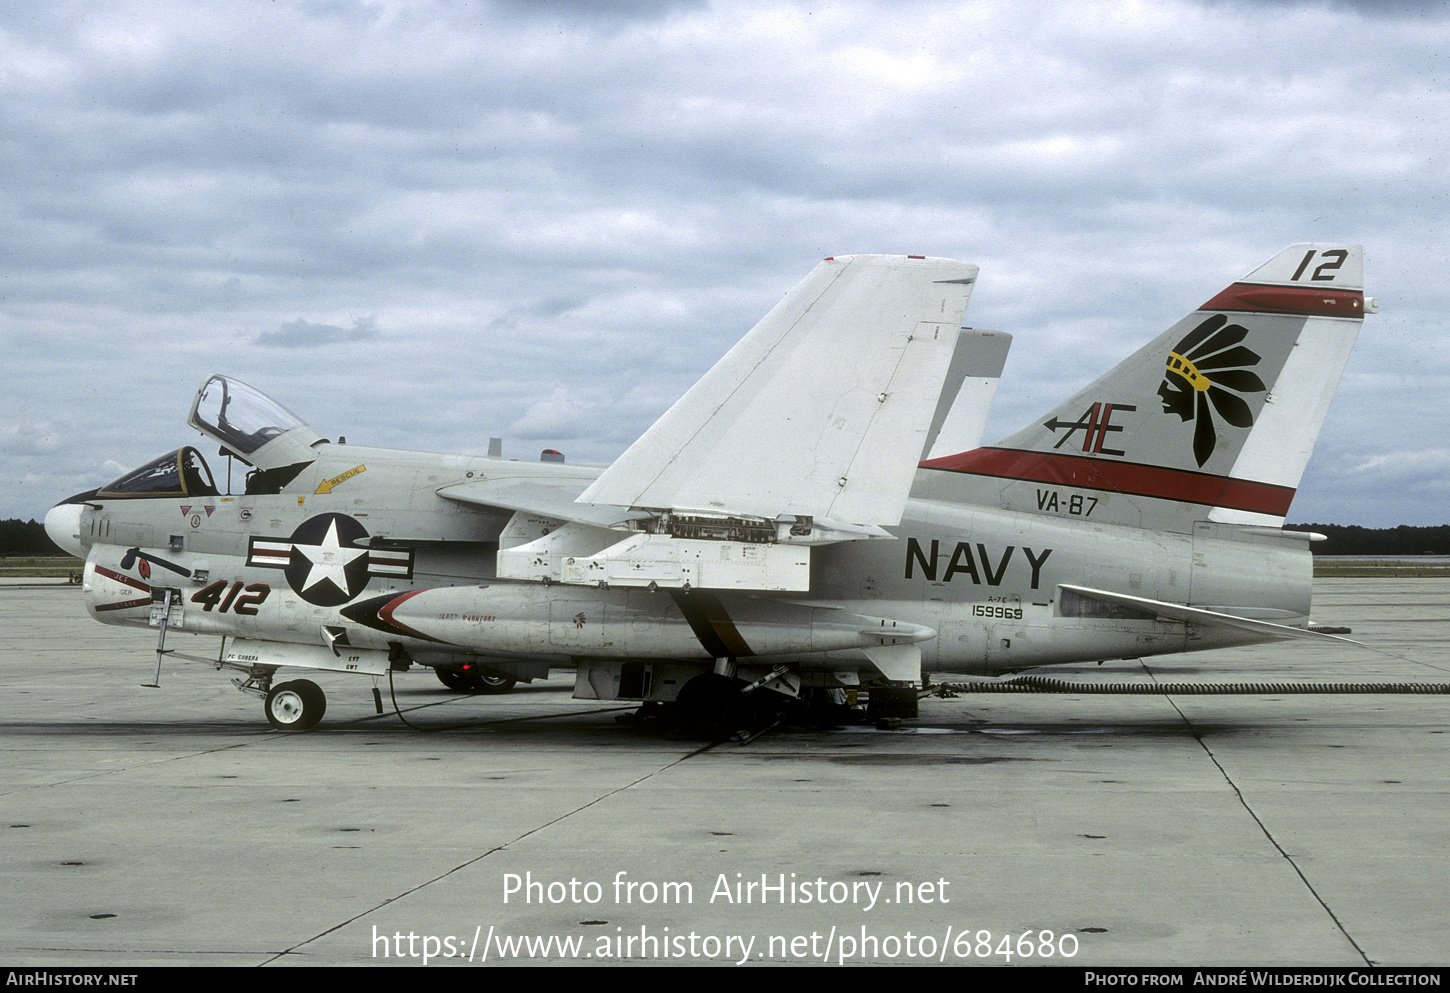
(424, 224)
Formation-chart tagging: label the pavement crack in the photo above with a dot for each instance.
(1243, 801)
(497, 848)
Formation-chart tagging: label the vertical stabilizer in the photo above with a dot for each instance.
(1213, 420)
(967, 393)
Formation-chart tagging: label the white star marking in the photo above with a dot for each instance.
(329, 560)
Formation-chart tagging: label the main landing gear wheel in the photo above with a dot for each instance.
(710, 703)
(296, 705)
(475, 680)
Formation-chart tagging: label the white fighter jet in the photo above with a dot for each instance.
(814, 514)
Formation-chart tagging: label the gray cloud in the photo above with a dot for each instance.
(1367, 8)
(304, 334)
(584, 12)
(562, 217)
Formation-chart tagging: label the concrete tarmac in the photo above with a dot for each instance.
(174, 827)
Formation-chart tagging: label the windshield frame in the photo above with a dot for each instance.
(244, 418)
(253, 427)
(182, 472)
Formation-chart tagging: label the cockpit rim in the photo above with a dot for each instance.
(192, 475)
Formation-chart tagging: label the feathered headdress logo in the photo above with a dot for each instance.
(1208, 369)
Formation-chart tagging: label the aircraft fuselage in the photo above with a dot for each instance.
(320, 564)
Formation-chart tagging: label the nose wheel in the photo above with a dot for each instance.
(296, 705)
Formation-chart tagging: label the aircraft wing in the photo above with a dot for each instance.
(1198, 615)
(822, 410)
(556, 500)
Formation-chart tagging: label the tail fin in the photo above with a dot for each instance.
(966, 395)
(1215, 419)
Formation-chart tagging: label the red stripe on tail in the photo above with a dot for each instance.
(1121, 477)
(1308, 300)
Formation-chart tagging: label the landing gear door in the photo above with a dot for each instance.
(167, 607)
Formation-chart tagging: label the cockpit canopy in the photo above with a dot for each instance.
(253, 427)
(182, 473)
(248, 424)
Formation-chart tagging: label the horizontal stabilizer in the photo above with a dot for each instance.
(1207, 618)
(822, 410)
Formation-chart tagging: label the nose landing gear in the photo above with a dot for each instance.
(296, 705)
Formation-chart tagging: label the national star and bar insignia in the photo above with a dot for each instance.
(326, 561)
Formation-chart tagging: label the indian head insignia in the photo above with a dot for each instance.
(1207, 372)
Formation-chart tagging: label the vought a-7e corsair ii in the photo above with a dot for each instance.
(813, 514)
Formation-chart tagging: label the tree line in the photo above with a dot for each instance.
(19, 537)
(1351, 539)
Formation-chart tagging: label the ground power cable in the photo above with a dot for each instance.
(398, 710)
(1052, 684)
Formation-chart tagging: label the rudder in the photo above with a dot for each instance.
(1214, 419)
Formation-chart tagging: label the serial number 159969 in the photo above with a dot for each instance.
(996, 610)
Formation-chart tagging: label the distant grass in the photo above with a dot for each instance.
(41, 566)
(1384, 569)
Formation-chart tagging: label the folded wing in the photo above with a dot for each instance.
(822, 410)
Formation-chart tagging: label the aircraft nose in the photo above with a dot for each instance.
(63, 523)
